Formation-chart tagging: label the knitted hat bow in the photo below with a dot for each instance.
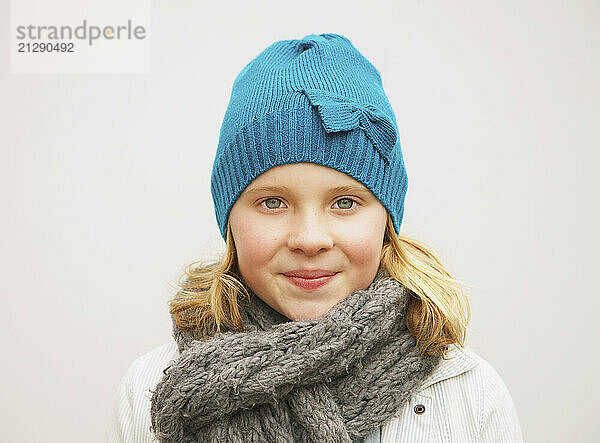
(340, 113)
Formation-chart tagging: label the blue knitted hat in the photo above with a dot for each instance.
(314, 100)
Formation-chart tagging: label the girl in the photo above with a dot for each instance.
(321, 322)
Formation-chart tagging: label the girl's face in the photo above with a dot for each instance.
(293, 218)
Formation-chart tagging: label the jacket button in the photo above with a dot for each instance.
(419, 409)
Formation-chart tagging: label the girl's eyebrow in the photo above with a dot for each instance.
(338, 189)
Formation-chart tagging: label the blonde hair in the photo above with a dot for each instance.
(210, 294)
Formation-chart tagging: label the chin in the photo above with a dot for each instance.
(309, 314)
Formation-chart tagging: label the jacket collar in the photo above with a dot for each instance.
(460, 360)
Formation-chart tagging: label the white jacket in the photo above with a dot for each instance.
(463, 400)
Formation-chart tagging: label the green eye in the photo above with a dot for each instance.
(272, 200)
(343, 203)
(347, 201)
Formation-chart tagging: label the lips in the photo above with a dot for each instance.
(310, 279)
(309, 273)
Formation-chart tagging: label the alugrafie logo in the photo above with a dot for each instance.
(81, 32)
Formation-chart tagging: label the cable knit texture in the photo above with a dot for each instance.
(331, 379)
(310, 100)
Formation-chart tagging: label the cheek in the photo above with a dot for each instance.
(363, 252)
(252, 245)
(362, 246)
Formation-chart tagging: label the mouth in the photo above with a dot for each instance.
(310, 283)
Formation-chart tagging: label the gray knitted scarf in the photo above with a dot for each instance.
(332, 379)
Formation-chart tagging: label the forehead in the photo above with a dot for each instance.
(303, 177)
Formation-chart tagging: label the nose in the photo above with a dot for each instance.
(309, 234)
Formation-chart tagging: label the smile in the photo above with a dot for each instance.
(310, 283)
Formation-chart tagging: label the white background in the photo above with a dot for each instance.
(105, 193)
